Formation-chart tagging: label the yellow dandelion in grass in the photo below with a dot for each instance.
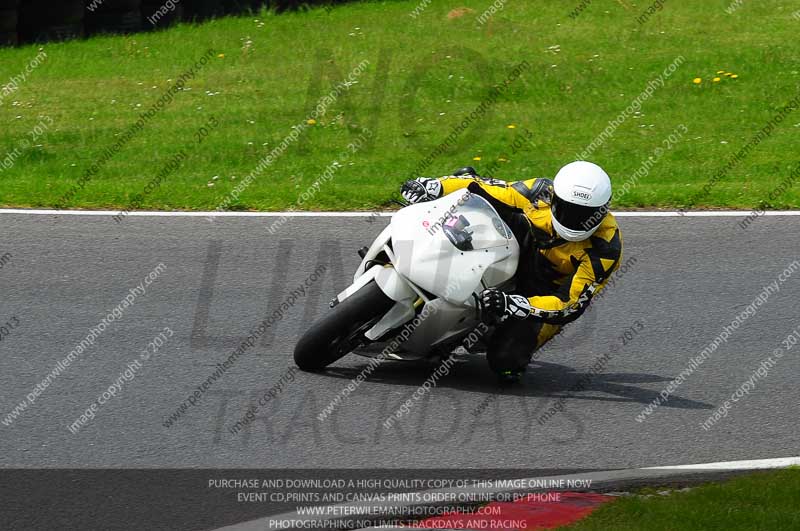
(715, 80)
(728, 74)
(720, 71)
(311, 121)
(476, 158)
(511, 126)
(734, 76)
(221, 56)
(502, 159)
(697, 80)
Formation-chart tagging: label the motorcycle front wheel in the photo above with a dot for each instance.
(341, 329)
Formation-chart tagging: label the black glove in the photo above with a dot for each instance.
(421, 189)
(497, 306)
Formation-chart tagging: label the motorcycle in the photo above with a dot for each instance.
(415, 293)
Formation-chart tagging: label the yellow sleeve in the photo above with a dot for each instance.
(593, 270)
(515, 194)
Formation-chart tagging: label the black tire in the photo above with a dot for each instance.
(9, 4)
(331, 337)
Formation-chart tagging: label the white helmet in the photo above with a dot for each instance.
(582, 191)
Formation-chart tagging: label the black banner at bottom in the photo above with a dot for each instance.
(206, 499)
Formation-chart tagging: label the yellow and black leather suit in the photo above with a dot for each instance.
(558, 277)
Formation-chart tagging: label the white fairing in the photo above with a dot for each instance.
(427, 257)
(441, 253)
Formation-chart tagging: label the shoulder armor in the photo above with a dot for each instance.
(542, 190)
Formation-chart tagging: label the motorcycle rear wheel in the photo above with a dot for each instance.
(341, 329)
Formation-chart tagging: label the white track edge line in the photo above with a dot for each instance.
(749, 464)
(215, 214)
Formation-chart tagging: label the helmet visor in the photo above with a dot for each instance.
(578, 217)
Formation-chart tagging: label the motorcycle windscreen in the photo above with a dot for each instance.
(446, 246)
(470, 223)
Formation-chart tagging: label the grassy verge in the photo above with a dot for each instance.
(425, 71)
(765, 500)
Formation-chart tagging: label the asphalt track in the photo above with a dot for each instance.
(691, 277)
